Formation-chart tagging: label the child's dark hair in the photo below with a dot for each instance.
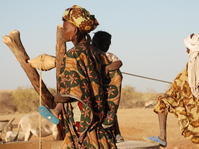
(102, 40)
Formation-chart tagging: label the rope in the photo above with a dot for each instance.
(130, 74)
(40, 95)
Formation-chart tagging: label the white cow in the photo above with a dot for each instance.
(29, 125)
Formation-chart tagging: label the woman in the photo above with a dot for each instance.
(80, 79)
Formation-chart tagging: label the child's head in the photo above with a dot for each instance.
(102, 40)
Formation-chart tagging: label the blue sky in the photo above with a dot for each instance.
(147, 36)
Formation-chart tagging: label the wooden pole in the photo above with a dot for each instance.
(60, 52)
(13, 41)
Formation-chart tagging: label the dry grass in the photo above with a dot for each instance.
(7, 104)
(27, 100)
(131, 98)
(19, 100)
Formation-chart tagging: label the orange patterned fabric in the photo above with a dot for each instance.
(81, 78)
(81, 18)
(179, 100)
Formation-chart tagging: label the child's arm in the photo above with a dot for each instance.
(113, 66)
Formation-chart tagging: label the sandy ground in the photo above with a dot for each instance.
(136, 124)
(139, 123)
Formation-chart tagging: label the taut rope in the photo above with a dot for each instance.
(130, 74)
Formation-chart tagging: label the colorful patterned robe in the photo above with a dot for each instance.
(113, 88)
(180, 101)
(81, 78)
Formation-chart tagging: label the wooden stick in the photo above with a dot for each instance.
(13, 41)
(60, 52)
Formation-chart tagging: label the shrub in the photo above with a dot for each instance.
(130, 98)
(26, 99)
(6, 103)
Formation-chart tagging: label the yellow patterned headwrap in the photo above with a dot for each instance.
(81, 18)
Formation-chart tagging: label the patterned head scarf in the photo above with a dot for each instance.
(81, 18)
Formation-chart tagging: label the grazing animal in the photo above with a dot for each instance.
(5, 125)
(29, 125)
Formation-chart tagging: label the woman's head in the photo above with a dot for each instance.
(77, 22)
(102, 40)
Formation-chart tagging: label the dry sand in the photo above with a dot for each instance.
(139, 123)
(136, 124)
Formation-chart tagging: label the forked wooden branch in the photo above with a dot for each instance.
(13, 41)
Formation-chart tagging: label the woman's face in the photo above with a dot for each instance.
(69, 31)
